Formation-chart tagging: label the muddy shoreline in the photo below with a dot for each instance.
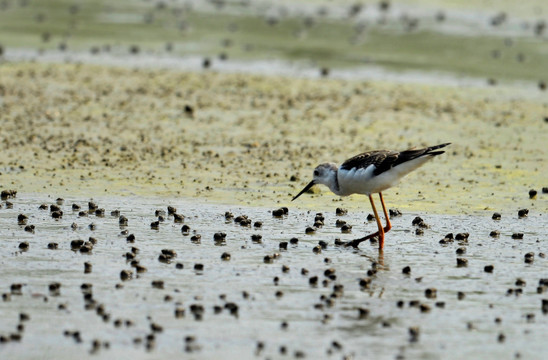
(230, 138)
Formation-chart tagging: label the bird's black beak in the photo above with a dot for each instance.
(306, 188)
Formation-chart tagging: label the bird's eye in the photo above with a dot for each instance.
(316, 173)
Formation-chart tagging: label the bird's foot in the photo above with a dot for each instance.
(356, 242)
(353, 243)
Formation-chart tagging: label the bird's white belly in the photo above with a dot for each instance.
(363, 181)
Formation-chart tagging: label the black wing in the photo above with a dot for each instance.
(376, 157)
(385, 159)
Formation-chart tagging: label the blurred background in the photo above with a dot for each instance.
(136, 139)
(486, 42)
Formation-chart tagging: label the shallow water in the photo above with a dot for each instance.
(260, 67)
(459, 329)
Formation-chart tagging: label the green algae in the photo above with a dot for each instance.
(244, 32)
(82, 129)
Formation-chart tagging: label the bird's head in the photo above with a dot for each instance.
(323, 174)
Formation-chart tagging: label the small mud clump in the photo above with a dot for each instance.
(462, 262)
(419, 222)
(280, 212)
(8, 194)
(394, 213)
(126, 275)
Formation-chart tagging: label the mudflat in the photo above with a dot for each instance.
(249, 139)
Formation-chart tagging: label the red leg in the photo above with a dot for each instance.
(379, 234)
(379, 224)
(388, 225)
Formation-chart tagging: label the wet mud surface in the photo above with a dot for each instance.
(254, 140)
(178, 134)
(203, 283)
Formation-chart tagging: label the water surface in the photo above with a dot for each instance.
(315, 316)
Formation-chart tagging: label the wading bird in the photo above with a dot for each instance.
(370, 173)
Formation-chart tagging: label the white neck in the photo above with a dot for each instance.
(332, 182)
